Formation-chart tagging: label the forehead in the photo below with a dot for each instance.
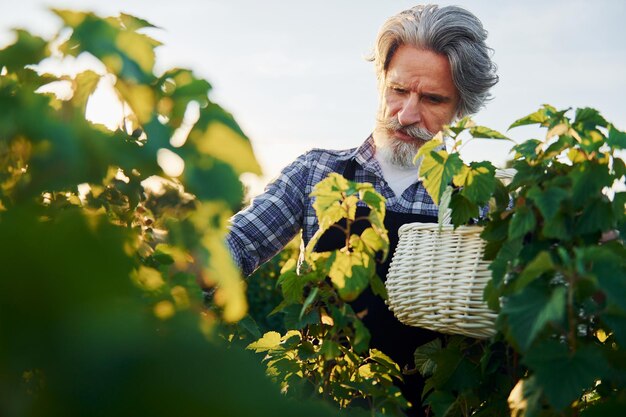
(420, 68)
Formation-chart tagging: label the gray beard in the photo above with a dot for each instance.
(395, 151)
(398, 153)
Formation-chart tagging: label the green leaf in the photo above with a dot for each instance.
(589, 118)
(480, 182)
(309, 300)
(441, 402)
(292, 286)
(541, 117)
(362, 337)
(270, 341)
(522, 222)
(378, 287)
(330, 349)
(548, 201)
(250, 326)
(609, 268)
(530, 310)
(616, 138)
(437, 170)
(487, 133)
(26, 50)
(463, 210)
(392, 367)
(616, 321)
(559, 227)
(562, 375)
(538, 266)
(350, 273)
(588, 179)
(527, 149)
(423, 354)
(596, 217)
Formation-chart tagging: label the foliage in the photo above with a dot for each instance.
(99, 304)
(558, 268)
(325, 350)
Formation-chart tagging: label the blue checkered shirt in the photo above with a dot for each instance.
(276, 216)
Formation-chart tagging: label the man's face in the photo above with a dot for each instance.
(418, 98)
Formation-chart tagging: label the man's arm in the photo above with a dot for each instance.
(272, 220)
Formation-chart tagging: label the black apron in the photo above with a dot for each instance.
(395, 339)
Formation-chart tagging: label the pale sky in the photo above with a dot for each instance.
(293, 73)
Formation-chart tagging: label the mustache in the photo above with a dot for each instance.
(414, 131)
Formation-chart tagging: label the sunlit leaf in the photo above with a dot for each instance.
(480, 182)
(269, 341)
(437, 170)
(486, 133)
(539, 117)
(350, 273)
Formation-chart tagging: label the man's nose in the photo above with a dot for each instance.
(410, 112)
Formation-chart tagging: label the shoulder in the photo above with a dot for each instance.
(322, 161)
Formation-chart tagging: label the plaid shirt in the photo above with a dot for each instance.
(276, 216)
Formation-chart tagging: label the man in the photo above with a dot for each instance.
(433, 66)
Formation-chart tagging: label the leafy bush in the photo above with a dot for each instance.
(558, 271)
(99, 300)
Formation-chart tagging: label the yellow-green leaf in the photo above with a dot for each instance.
(269, 341)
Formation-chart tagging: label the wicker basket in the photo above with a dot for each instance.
(437, 277)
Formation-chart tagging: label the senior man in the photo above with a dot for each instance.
(433, 66)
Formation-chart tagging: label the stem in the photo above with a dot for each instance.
(571, 318)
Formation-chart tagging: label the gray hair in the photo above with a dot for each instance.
(451, 31)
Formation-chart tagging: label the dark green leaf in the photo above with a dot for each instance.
(616, 320)
(530, 310)
(548, 201)
(562, 375)
(309, 300)
(596, 217)
(609, 268)
(250, 326)
(362, 336)
(528, 149)
(463, 210)
(538, 266)
(330, 349)
(616, 138)
(522, 222)
(378, 287)
(423, 354)
(589, 118)
(559, 227)
(441, 403)
(588, 179)
(480, 182)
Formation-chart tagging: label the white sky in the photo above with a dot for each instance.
(294, 75)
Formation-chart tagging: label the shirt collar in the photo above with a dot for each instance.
(364, 156)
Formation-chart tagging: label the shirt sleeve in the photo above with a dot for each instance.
(272, 220)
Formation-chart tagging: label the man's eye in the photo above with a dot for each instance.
(398, 90)
(434, 100)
